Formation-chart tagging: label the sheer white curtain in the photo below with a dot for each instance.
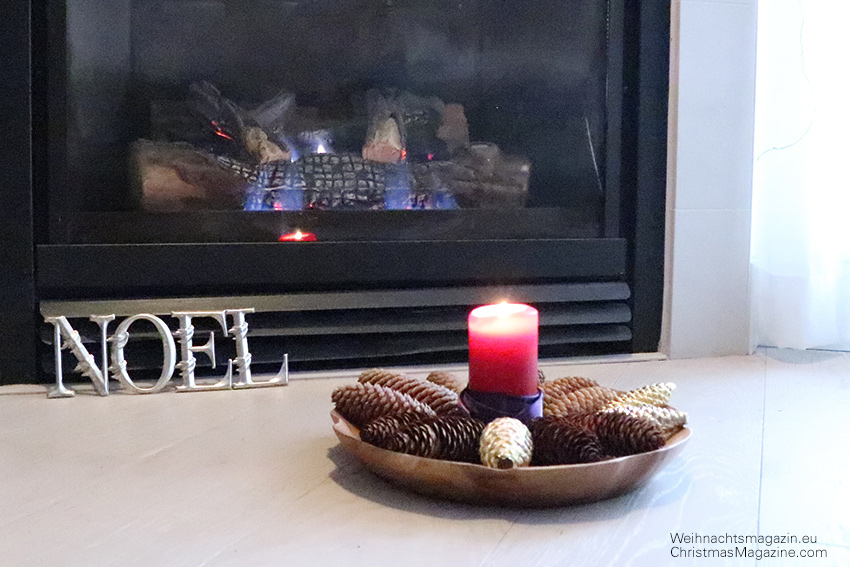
(801, 185)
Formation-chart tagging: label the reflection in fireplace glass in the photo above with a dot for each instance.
(414, 153)
(361, 105)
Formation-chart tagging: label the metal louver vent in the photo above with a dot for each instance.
(362, 328)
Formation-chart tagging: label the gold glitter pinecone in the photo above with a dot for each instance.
(361, 403)
(622, 433)
(582, 400)
(668, 419)
(448, 437)
(651, 395)
(447, 380)
(563, 441)
(442, 400)
(505, 444)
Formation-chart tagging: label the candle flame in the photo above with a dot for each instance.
(500, 310)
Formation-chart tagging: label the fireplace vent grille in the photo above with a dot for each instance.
(361, 328)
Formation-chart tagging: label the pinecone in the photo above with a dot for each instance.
(382, 428)
(505, 444)
(459, 437)
(668, 419)
(541, 376)
(567, 384)
(447, 380)
(442, 400)
(361, 403)
(582, 400)
(377, 376)
(652, 395)
(562, 386)
(563, 441)
(453, 438)
(623, 433)
(416, 439)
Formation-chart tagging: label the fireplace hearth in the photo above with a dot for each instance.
(439, 154)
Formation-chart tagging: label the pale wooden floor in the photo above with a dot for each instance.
(251, 478)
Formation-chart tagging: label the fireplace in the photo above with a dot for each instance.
(173, 153)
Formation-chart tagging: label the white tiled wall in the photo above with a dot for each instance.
(709, 178)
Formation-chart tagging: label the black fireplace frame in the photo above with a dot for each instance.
(33, 270)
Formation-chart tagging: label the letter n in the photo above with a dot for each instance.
(65, 337)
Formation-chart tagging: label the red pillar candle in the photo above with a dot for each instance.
(503, 349)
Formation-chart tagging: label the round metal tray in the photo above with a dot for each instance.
(527, 486)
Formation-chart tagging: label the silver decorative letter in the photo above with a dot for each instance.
(187, 350)
(86, 363)
(119, 364)
(103, 322)
(243, 357)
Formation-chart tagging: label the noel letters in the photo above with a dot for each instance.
(67, 338)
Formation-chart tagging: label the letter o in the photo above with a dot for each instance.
(119, 364)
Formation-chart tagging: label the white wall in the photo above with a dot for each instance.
(712, 88)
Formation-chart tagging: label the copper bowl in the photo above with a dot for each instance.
(535, 487)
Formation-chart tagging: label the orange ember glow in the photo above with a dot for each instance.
(298, 236)
(219, 131)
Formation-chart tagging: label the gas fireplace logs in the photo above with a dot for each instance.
(407, 152)
(173, 177)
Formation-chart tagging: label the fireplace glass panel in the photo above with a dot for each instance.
(217, 120)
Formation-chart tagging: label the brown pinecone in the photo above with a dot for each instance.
(623, 434)
(453, 438)
(377, 376)
(563, 441)
(582, 400)
(361, 403)
(567, 384)
(458, 435)
(668, 419)
(380, 429)
(442, 400)
(447, 380)
(416, 439)
(541, 376)
(562, 386)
